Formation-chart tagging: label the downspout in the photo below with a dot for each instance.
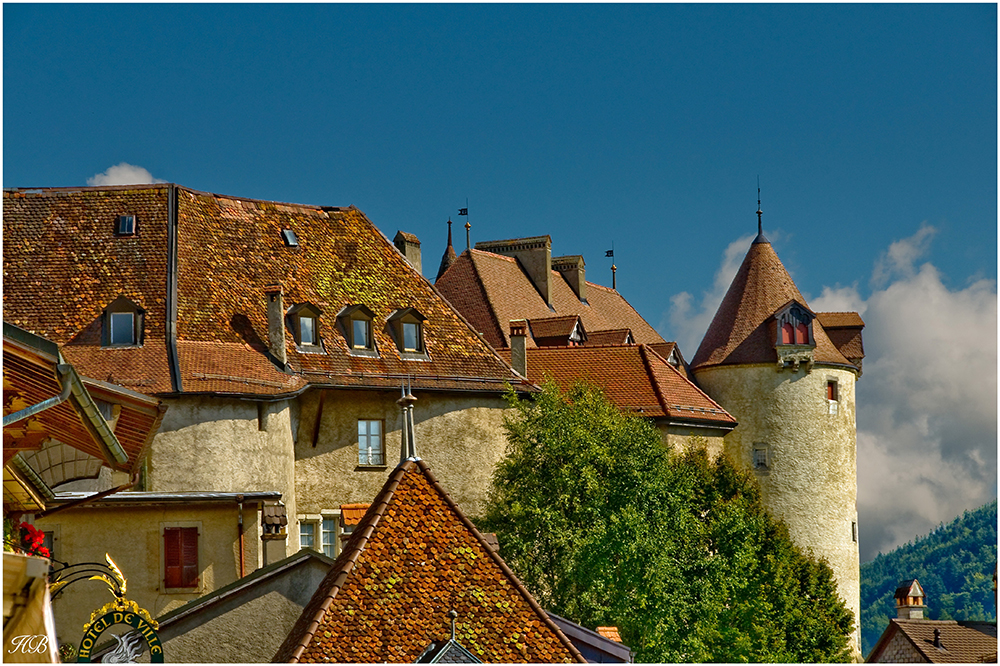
(172, 269)
(243, 572)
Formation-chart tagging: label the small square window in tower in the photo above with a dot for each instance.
(407, 326)
(832, 395)
(370, 450)
(125, 225)
(760, 457)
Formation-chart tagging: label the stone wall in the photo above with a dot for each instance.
(681, 438)
(459, 435)
(810, 480)
(900, 651)
(133, 537)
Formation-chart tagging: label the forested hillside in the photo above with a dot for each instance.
(954, 564)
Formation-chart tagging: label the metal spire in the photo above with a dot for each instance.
(761, 238)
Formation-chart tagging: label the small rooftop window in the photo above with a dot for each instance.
(291, 240)
(125, 225)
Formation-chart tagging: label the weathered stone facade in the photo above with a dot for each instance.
(901, 651)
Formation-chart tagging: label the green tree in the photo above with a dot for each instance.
(606, 527)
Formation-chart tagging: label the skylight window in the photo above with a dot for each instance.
(291, 240)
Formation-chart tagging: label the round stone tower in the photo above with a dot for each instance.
(769, 361)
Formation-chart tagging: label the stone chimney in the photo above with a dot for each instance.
(409, 246)
(572, 269)
(910, 600)
(276, 322)
(534, 255)
(519, 346)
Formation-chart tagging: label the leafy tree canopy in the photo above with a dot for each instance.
(954, 564)
(606, 527)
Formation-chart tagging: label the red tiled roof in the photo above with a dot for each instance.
(840, 320)
(741, 331)
(611, 633)
(492, 289)
(615, 336)
(633, 377)
(63, 265)
(414, 557)
(548, 328)
(351, 514)
(961, 642)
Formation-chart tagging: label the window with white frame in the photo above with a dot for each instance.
(307, 535)
(370, 450)
(122, 324)
(329, 536)
(761, 458)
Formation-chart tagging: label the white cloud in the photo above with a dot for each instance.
(927, 402)
(123, 174)
(689, 327)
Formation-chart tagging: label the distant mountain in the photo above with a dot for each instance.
(954, 564)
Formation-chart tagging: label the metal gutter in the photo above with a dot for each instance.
(31, 475)
(172, 269)
(92, 416)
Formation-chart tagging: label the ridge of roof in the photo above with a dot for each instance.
(313, 615)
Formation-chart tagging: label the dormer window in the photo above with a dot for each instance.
(356, 325)
(125, 225)
(407, 325)
(303, 319)
(122, 324)
(795, 325)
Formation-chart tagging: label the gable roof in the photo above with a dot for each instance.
(414, 557)
(615, 336)
(633, 377)
(740, 332)
(558, 328)
(63, 264)
(961, 642)
(491, 289)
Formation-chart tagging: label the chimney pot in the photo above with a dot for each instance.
(519, 346)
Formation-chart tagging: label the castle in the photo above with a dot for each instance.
(782, 373)
(278, 335)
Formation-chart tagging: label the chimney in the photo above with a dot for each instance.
(276, 322)
(535, 257)
(519, 346)
(409, 246)
(572, 269)
(910, 600)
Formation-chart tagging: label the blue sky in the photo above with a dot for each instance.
(873, 129)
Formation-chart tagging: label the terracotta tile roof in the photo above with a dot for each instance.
(553, 331)
(961, 642)
(492, 289)
(611, 633)
(615, 336)
(351, 514)
(633, 377)
(414, 557)
(742, 329)
(63, 264)
(840, 320)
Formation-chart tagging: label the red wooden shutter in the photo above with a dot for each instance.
(801, 334)
(787, 334)
(172, 556)
(180, 548)
(189, 556)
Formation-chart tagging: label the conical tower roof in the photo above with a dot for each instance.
(449, 256)
(741, 331)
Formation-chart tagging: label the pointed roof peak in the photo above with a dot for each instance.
(449, 256)
(761, 238)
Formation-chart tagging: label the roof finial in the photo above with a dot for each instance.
(760, 225)
(453, 614)
(449, 230)
(465, 212)
(468, 243)
(408, 448)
